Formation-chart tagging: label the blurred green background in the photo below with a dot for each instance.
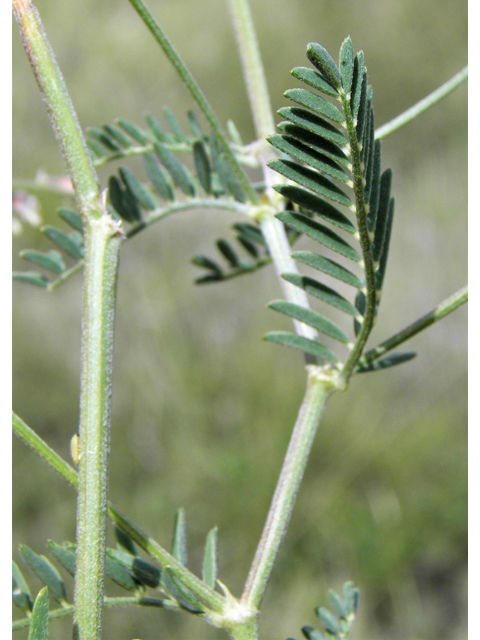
(202, 409)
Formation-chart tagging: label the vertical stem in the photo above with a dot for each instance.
(319, 389)
(252, 68)
(102, 244)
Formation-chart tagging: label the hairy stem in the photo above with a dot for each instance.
(422, 106)
(196, 93)
(102, 244)
(60, 109)
(252, 68)
(318, 390)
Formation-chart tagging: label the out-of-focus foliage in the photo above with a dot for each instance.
(202, 409)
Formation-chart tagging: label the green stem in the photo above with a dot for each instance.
(102, 244)
(422, 106)
(442, 310)
(196, 93)
(319, 388)
(199, 588)
(60, 110)
(253, 72)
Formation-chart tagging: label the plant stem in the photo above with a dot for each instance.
(60, 110)
(102, 244)
(442, 310)
(252, 68)
(196, 94)
(319, 388)
(431, 100)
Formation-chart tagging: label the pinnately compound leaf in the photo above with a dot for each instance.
(385, 363)
(320, 233)
(45, 572)
(209, 572)
(179, 543)
(323, 61)
(304, 344)
(39, 622)
(347, 60)
(310, 318)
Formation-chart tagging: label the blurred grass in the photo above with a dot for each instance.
(202, 409)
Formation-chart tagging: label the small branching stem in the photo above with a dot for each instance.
(319, 387)
(422, 106)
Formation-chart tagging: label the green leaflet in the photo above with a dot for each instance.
(116, 134)
(329, 267)
(207, 263)
(194, 125)
(385, 363)
(315, 80)
(179, 543)
(307, 200)
(310, 179)
(329, 620)
(202, 165)
(351, 597)
(20, 592)
(64, 555)
(304, 344)
(125, 543)
(174, 125)
(303, 153)
(39, 623)
(159, 180)
(322, 292)
(157, 130)
(311, 318)
(144, 572)
(185, 598)
(316, 142)
(357, 82)
(316, 103)
(105, 139)
(45, 572)
(323, 61)
(347, 61)
(312, 634)
(116, 571)
(209, 569)
(319, 232)
(138, 191)
(71, 243)
(361, 305)
(31, 277)
(337, 604)
(374, 190)
(123, 201)
(229, 254)
(382, 214)
(71, 217)
(51, 260)
(313, 123)
(180, 175)
(133, 131)
(382, 266)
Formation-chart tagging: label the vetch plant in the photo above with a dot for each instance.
(323, 180)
